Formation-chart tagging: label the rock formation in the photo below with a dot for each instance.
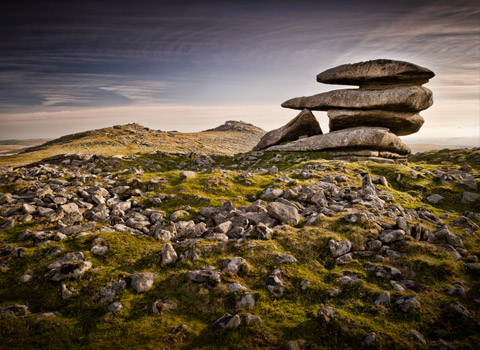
(304, 124)
(364, 122)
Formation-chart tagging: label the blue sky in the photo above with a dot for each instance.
(191, 65)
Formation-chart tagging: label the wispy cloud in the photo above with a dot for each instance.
(224, 53)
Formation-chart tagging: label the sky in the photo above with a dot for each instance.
(69, 66)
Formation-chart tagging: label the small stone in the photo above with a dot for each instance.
(299, 344)
(143, 281)
(275, 283)
(283, 213)
(247, 300)
(434, 198)
(169, 255)
(99, 250)
(235, 287)
(389, 236)
(470, 197)
(284, 258)
(408, 303)
(208, 277)
(45, 315)
(383, 299)
(65, 292)
(161, 305)
(304, 285)
(417, 336)
(116, 306)
(25, 278)
(187, 175)
(333, 291)
(326, 314)
(339, 248)
(233, 265)
(456, 311)
(14, 311)
(370, 340)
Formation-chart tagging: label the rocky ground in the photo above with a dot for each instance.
(265, 250)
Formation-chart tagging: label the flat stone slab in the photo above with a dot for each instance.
(361, 138)
(381, 71)
(398, 99)
(304, 124)
(372, 159)
(399, 123)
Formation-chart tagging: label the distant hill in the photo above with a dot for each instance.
(230, 138)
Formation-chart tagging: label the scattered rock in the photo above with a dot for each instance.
(246, 300)
(14, 311)
(284, 258)
(326, 314)
(169, 256)
(434, 198)
(283, 213)
(187, 175)
(339, 248)
(161, 305)
(143, 281)
(383, 299)
(417, 336)
(207, 277)
(370, 340)
(275, 283)
(115, 306)
(408, 303)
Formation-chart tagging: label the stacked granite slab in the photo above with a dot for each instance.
(364, 122)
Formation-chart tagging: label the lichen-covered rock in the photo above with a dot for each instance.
(143, 281)
(68, 270)
(283, 213)
(208, 277)
(275, 283)
(326, 314)
(169, 255)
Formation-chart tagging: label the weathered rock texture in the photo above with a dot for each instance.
(379, 139)
(380, 71)
(304, 124)
(364, 122)
(398, 99)
(400, 123)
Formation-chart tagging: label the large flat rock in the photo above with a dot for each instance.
(381, 71)
(398, 99)
(361, 138)
(304, 124)
(399, 123)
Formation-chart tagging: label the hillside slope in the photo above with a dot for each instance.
(257, 251)
(229, 138)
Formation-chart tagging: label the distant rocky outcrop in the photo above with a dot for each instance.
(240, 126)
(364, 122)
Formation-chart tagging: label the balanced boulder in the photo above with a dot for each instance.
(364, 122)
(381, 71)
(400, 123)
(398, 98)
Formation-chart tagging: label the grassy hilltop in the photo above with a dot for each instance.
(155, 184)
